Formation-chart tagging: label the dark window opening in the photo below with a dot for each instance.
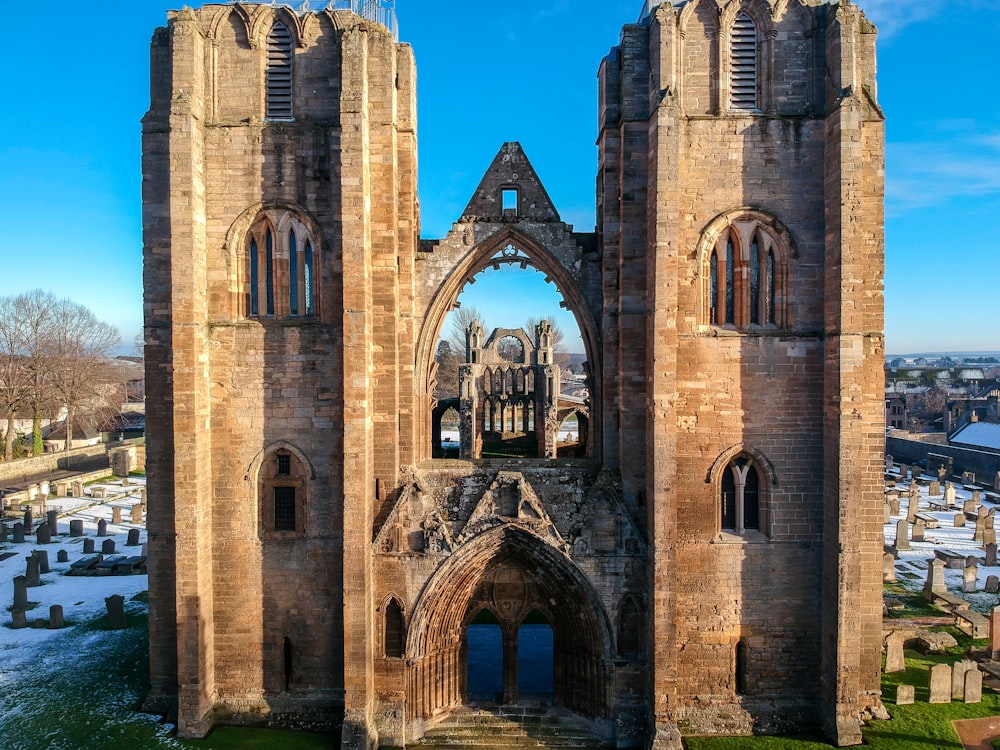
(288, 663)
(284, 509)
(742, 663)
(630, 630)
(394, 630)
(278, 78)
(284, 464)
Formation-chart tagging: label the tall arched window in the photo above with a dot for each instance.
(730, 283)
(713, 288)
(740, 496)
(395, 630)
(743, 64)
(278, 77)
(282, 485)
(280, 267)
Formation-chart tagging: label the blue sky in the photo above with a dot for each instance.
(488, 73)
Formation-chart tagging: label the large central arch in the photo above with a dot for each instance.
(553, 584)
(481, 257)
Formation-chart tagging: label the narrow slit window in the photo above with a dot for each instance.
(743, 64)
(254, 279)
(307, 276)
(770, 289)
(293, 275)
(269, 272)
(394, 630)
(755, 283)
(730, 283)
(713, 288)
(278, 78)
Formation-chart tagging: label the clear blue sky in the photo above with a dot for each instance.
(488, 73)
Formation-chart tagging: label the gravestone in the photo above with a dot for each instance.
(940, 684)
(102, 527)
(904, 471)
(42, 534)
(958, 671)
(902, 534)
(935, 489)
(116, 514)
(990, 521)
(994, 647)
(18, 535)
(136, 513)
(88, 546)
(991, 556)
(894, 506)
(935, 578)
(886, 513)
(108, 547)
(99, 491)
(62, 556)
(116, 611)
(919, 527)
(76, 527)
(77, 488)
(973, 692)
(976, 497)
(894, 660)
(969, 507)
(949, 494)
(125, 482)
(888, 568)
(905, 695)
(989, 536)
(133, 538)
(43, 560)
(56, 620)
(142, 497)
(992, 585)
(959, 520)
(62, 488)
(18, 619)
(889, 465)
(3, 532)
(968, 477)
(52, 519)
(912, 508)
(970, 578)
(977, 535)
(32, 573)
(28, 521)
(942, 473)
(20, 593)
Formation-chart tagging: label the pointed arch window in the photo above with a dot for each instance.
(278, 77)
(743, 67)
(740, 496)
(395, 630)
(280, 268)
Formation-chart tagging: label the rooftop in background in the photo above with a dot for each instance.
(985, 435)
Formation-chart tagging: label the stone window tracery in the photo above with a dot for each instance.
(280, 268)
(740, 496)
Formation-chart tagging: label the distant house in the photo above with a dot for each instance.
(895, 411)
(85, 433)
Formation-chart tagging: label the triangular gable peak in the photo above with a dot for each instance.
(510, 190)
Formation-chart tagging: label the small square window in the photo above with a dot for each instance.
(284, 509)
(284, 465)
(508, 197)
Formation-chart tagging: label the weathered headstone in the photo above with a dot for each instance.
(102, 527)
(52, 519)
(18, 534)
(888, 568)
(969, 506)
(977, 535)
(32, 573)
(905, 695)
(902, 534)
(949, 494)
(62, 556)
(994, 647)
(912, 508)
(76, 527)
(88, 546)
(77, 487)
(99, 491)
(970, 575)
(991, 555)
(935, 577)
(28, 521)
(116, 514)
(935, 489)
(42, 534)
(959, 520)
(942, 473)
(886, 512)
(136, 513)
(889, 466)
(108, 547)
(958, 671)
(904, 471)
(20, 593)
(56, 620)
(18, 619)
(989, 536)
(894, 660)
(973, 692)
(940, 685)
(116, 611)
(976, 497)
(62, 488)
(133, 538)
(992, 585)
(43, 560)
(894, 506)
(919, 527)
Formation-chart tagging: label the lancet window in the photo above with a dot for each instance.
(281, 268)
(746, 277)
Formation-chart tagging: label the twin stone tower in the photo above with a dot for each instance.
(711, 564)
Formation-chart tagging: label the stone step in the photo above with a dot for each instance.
(509, 728)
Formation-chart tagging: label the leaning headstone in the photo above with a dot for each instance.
(102, 527)
(76, 527)
(935, 489)
(935, 578)
(18, 619)
(42, 534)
(62, 556)
(894, 660)
(88, 546)
(133, 538)
(32, 573)
(108, 547)
(56, 620)
(888, 568)
(991, 555)
(18, 535)
(905, 695)
(959, 520)
(43, 560)
(116, 611)
(973, 692)
(992, 585)
(52, 519)
(940, 686)
(977, 535)
(970, 577)
(919, 527)
(20, 593)
(958, 671)
(28, 521)
(137, 513)
(116, 514)
(902, 534)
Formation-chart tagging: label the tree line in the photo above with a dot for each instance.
(53, 362)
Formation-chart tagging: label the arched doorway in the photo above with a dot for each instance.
(535, 659)
(439, 415)
(522, 581)
(484, 659)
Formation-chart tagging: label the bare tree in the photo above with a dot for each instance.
(450, 351)
(15, 375)
(38, 310)
(559, 354)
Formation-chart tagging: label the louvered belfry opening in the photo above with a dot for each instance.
(279, 73)
(743, 67)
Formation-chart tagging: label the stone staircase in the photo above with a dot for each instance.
(510, 727)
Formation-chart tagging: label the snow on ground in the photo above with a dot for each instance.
(911, 565)
(82, 597)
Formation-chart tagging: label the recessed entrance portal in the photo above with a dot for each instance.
(534, 660)
(484, 659)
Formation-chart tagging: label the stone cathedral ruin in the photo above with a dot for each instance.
(710, 564)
